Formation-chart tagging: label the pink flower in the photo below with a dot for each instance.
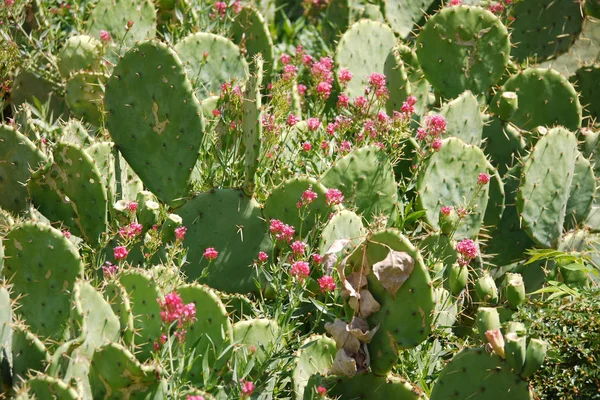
(300, 270)
(301, 89)
(435, 124)
(496, 8)
(190, 397)
(360, 102)
(331, 127)
(131, 230)
(317, 258)
(313, 123)
(344, 76)
(163, 339)
(436, 145)
(109, 269)
(282, 232)
(321, 391)
(483, 178)
(324, 89)
(455, 3)
(306, 146)
(221, 8)
(237, 8)
(376, 79)
(247, 388)
(9, 3)
(307, 60)
(216, 113)
(180, 335)
(343, 100)
(446, 210)
(345, 146)
(308, 196)
(66, 233)
(173, 309)
(467, 250)
(285, 59)
(324, 145)
(129, 24)
(292, 119)
(421, 133)
(210, 253)
(156, 346)
(120, 252)
(495, 338)
(104, 36)
(333, 197)
(408, 106)
(180, 232)
(289, 72)
(262, 256)
(298, 247)
(326, 283)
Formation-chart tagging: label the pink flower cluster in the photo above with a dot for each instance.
(322, 75)
(300, 270)
(262, 256)
(120, 252)
(455, 3)
(446, 210)
(180, 232)
(313, 124)
(298, 248)
(333, 197)
(173, 309)
(377, 83)
(105, 36)
(190, 397)
(292, 119)
(132, 206)
(326, 283)
(211, 254)
(483, 178)
(467, 251)
(408, 107)
(496, 8)
(308, 196)
(282, 232)
(344, 76)
(435, 125)
(109, 269)
(247, 388)
(131, 230)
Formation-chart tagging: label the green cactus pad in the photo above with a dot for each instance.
(545, 186)
(546, 98)
(112, 16)
(18, 157)
(397, 80)
(497, 199)
(463, 48)
(583, 190)
(46, 387)
(366, 178)
(503, 143)
(419, 86)
(239, 307)
(251, 33)
(70, 190)
(154, 118)
(80, 52)
(336, 18)
(143, 294)
(84, 93)
(28, 86)
(232, 223)
(373, 387)
(450, 179)
(252, 125)
(28, 352)
(476, 375)
(223, 62)
(74, 132)
(542, 29)
(404, 15)
(42, 266)
(315, 356)
(258, 338)
(344, 225)
(282, 204)
(405, 317)
(211, 333)
(117, 297)
(464, 119)
(350, 52)
(116, 374)
(587, 82)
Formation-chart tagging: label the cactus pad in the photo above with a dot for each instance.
(80, 52)
(587, 82)
(28, 352)
(154, 118)
(264, 335)
(84, 93)
(464, 119)
(463, 48)
(315, 356)
(404, 15)
(46, 387)
(344, 225)
(397, 80)
(373, 387)
(251, 33)
(583, 190)
(252, 125)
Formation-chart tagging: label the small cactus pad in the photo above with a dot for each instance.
(42, 266)
(116, 374)
(211, 333)
(419, 86)
(397, 80)
(117, 297)
(314, 357)
(211, 60)
(405, 317)
(503, 143)
(351, 54)
(497, 199)
(344, 225)
(84, 93)
(232, 223)
(80, 52)
(154, 118)
(373, 387)
(545, 186)
(403, 15)
(18, 157)
(546, 98)
(70, 190)
(75, 132)
(464, 119)
(28, 352)
(28, 85)
(282, 204)
(46, 387)
(143, 294)
(252, 125)
(476, 375)
(251, 33)
(587, 82)
(542, 29)
(257, 338)
(463, 48)
(451, 179)
(583, 190)
(366, 178)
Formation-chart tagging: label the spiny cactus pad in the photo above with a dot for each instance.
(232, 223)
(583, 190)
(80, 52)
(397, 80)
(476, 375)
(419, 86)
(258, 338)
(403, 15)
(463, 48)
(46, 387)
(116, 295)
(18, 157)
(42, 266)
(70, 191)
(366, 178)
(587, 82)
(351, 54)
(315, 356)
(503, 143)
(252, 125)
(251, 33)
(464, 119)
(545, 186)
(28, 352)
(154, 118)
(344, 225)
(84, 93)
(450, 179)
(546, 98)
(211, 60)
(373, 387)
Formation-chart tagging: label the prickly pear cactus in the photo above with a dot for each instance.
(587, 82)
(46, 387)
(463, 48)
(545, 186)
(314, 357)
(80, 52)
(230, 222)
(252, 125)
(503, 143)
(451, 179)
(546, 98)
(42, 266)
(18, 157)
(350, 52)
(476, 374)
(84, 93)
(29, 354)
(404, 15)
(419, 86)
(116, 295)
(251, 33)
(344, 225)
(370, 386)
(582, 193)
(397, 80)
(70, 191)
(463, 118)
(158, 126)
(211, 60)
(366, 178)
(258, 339)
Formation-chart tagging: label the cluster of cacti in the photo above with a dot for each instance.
(213, 200)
